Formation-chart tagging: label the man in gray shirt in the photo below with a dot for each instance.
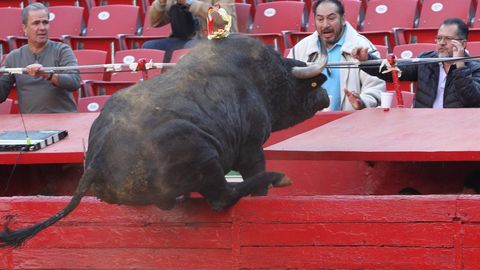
(41, 92)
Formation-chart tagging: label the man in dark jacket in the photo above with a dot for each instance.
(440, 85)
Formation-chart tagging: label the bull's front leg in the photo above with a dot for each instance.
(251, 166)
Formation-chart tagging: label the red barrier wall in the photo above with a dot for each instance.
(381, 232)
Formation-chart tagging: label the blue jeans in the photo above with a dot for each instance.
(166, 44)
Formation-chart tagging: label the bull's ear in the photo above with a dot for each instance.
(322, 78)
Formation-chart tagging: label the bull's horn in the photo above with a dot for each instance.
(315, 69)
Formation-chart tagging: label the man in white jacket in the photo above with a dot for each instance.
(349, 88)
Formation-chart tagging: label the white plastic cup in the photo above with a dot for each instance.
(386, 100)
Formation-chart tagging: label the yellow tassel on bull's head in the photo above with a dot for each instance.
(218, 23)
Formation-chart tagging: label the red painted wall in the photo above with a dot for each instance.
(278, 232)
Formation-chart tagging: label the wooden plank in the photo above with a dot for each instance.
(317, 120)
(349, 234)
(398, 135)
(471, 259)
(90, 258)
(312, 257)
(468, 208)
(91, 210)
(398, 208)
(153, 236)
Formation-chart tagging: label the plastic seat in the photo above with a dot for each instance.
(177, 54)
(382, 16)
(131, 56)
(6, 106)
(473, 48)
(92, 104)
(105, 24)
(244, 17)
(86, 4)
(433, 13)
(272, 18)
(406, 51)
(126, 77)
(138, 3)
(148, 33)
(91, 57)
(382, 50)
(14, 3)
(11, 25)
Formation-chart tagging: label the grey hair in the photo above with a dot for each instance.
(33, 6)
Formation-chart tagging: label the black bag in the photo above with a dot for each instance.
(182, 22)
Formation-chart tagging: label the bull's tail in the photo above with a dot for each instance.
(18, 237)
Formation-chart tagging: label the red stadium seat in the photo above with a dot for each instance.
(272, 18)
(142, 5)
(126, 77)
(177, 54)
(98, 88)
(11, 25)
(352, 12)
(105, 24)
(6, 106)
(473, 48)
(14, 3)
(148, 33)
(91, 57)
(86, 4)
(435, 11)
(244, 16)
(383, 50)
(92, 104)
(132, 56)
(406, 51)
(382, 16)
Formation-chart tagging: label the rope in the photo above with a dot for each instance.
(145, 66)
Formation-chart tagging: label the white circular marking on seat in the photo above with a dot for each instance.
(93, 107)
(51, 16)
(380, 9)
(407, 54)
(104, 15)
(269, 12)
(437, 7)
(128, 59)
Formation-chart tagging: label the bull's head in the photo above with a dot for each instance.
(315, 69)
(307, 96)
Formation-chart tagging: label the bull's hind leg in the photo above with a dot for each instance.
(220, 194)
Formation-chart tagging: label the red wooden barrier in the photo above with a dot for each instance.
(279, 232)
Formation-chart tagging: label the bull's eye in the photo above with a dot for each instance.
(314, 84)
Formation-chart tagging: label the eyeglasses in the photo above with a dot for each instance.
(447, 39)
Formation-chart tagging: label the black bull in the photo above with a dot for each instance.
(183, 131)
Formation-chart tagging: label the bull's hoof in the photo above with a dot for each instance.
(284, 182)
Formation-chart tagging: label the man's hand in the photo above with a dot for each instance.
(360, 53)
(458, 51)
(34, 70)
(354, 99)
